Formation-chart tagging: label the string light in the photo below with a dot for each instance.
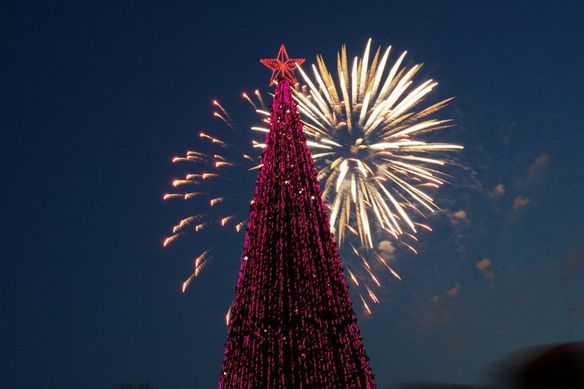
(291, 323)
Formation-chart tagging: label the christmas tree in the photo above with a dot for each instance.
(291, 323)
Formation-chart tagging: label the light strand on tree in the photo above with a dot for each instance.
(291, 324)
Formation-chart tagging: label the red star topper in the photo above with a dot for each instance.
(282, 66)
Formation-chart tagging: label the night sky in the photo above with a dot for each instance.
(98, 96)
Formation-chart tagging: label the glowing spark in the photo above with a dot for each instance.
(228, 316)
(171, 196)
(246, 97)
(426, 227)
(215, 201)
(373, 277)
(198, 264)
(224, 115)
(170, 239)
(365, 305)
(226, 220)
(182, 223)
(212, 139)
(261, 100)
(191, 195)
(217, 104)
(186, 284)
(176, 183)
(222, 163)
(394, 273)
(413, 250)
(371, 294)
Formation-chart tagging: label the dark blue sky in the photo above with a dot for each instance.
(96, 97)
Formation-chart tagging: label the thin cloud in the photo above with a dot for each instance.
(519, 203)
(498, 191)
(459, 217)
(536, 173)
(535, 177)
(538, 167)
(485, 267)
(455, 291)
(387, 249)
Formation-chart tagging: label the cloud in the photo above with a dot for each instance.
(538, 167)
(536, 173)
(459, 217)
(387, 249)
(484, 265)
(455, 291)
(437, 312)
(520, 202)
(534, 178)
(498, 191)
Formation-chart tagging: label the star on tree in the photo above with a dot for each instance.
(282, 66)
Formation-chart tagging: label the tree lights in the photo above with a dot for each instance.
(291, 324)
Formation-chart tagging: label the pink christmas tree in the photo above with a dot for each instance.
(291, 323)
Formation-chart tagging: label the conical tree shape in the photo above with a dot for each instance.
(292, 324)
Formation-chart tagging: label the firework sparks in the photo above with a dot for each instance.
(198, 264)
(368, 127)
(379, 167)
(213, 174)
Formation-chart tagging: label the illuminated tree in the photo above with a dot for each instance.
(291, 323)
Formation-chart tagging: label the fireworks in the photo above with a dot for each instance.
(374, 161)
(368, 129)
(212, 179)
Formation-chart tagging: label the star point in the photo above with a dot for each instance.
(282, 66)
